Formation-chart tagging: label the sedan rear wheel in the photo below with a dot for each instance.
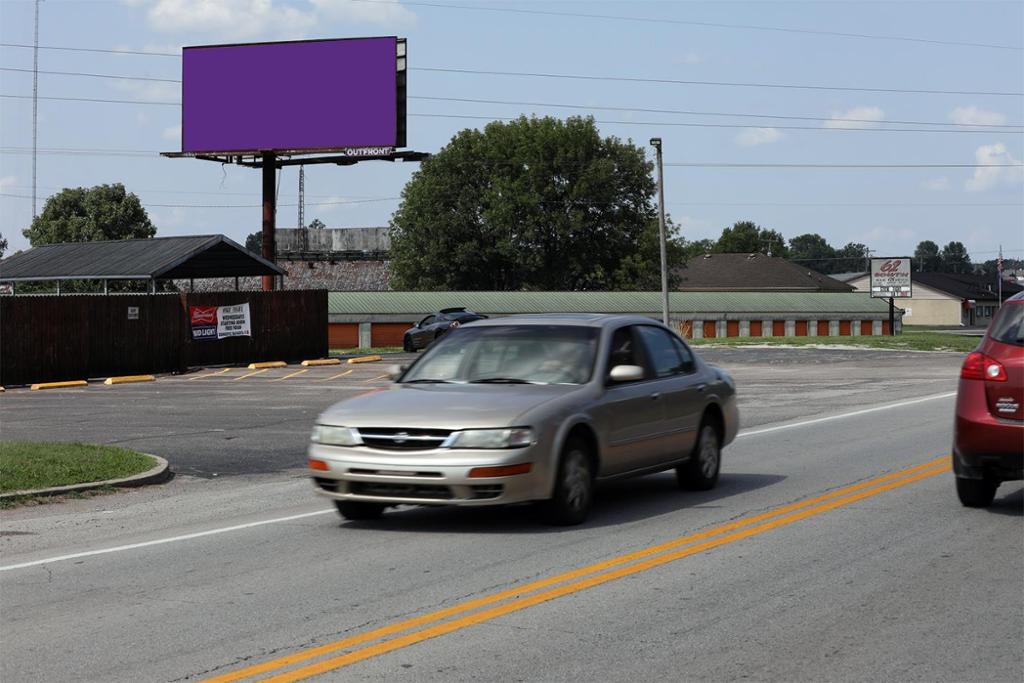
(574, 488)
(356, 510)
(700, 472)
(976, 493)
(407, 344)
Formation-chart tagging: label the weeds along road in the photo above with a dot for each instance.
(834, 548)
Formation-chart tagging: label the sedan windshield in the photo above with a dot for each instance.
(509, 354)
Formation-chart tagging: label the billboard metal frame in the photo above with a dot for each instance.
(269, 160)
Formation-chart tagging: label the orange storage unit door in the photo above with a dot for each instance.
(844, 328)
(709, 329)
(865, 328)
(885, 328)
(343, 335)
(778, 328)
(732, 328)
(822, 328)
(388, 334)
(755, 328)
(801, 328)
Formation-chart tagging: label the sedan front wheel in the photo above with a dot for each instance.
(574, 488)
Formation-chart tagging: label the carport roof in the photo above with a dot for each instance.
(418, 304)
(199, 256)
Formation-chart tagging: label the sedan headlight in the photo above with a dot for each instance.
(514, 437)
(336, 436)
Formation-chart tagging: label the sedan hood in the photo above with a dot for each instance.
(443, 406)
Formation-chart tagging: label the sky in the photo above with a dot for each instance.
(954, 47)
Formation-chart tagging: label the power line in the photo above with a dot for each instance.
(95, 49)
(626, 79)
(696, 164)
(239, 206)
(998, 128)
(707, 24)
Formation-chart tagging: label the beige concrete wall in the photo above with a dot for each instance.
(926, 307)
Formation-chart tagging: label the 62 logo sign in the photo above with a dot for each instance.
(891, 267)
(890, 278)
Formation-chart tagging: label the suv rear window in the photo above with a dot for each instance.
(1009, 326)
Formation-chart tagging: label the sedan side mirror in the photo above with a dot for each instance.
(626, 373)
(395, 371)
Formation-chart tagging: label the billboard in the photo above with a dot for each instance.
(890, 278)
(297, 96)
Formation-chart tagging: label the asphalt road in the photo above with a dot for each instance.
(238, 421)
(833, 549)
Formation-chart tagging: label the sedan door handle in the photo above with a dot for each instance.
(702, 387)
(655, 396)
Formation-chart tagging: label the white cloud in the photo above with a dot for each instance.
(972, 116)
(991, 170)
(8, 182)
(758, 136)
(936, 184)
(149, 91)
(860, 117)
(172, 133)
(252, 19)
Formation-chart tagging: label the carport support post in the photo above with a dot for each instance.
(269, 214)
(892, 317)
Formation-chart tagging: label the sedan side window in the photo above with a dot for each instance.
(665, 359)
(426, 321)
(625, 350)
(686, 354)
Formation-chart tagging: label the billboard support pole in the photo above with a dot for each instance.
(269, 248)
(892, 317)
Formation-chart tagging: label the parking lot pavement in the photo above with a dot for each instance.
(233, 421)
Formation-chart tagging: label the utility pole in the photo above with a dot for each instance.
(269, 248)
(999, 275)
(35, 105)
(656, 143)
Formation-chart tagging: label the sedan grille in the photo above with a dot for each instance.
(388, 490)
(397, 439)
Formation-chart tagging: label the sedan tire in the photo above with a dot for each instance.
(358, 511)
(700, 472)
(407, 344)
(574, 488)
(976, 493)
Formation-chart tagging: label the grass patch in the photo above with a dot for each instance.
(366, 351)
(26, 465)
(910, 340)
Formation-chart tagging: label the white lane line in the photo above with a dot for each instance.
(840, 416)
(161, 541)
(277, 520)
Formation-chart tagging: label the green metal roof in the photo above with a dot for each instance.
(681, 303)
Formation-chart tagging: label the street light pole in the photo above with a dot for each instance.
(656, 143)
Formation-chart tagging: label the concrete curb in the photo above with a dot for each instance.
(157, 475)
(129, 379)
(267, 364)
(365, 359)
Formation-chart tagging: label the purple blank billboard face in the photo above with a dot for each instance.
(309, 95)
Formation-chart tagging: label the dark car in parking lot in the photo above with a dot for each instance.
(988, 437)
(433, 327)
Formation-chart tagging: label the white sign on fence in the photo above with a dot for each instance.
(890, 278)
(233, 321)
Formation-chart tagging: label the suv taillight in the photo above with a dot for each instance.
(979, 366)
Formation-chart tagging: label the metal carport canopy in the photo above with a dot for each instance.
(158, 258)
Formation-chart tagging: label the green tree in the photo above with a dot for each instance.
(254, 242)
(317, 224)
(3, 245)
(926, 257)
(955, 258)
(104, 212)
(813, 251)
(535, 203)
(851, 258)
(747, 237)
(641, 270)
(989, 268)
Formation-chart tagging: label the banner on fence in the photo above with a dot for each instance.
(220, 322)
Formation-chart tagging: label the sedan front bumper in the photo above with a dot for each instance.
(435, 477)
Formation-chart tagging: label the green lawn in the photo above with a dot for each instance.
(366, 352)
(910, 340)
(26, 465)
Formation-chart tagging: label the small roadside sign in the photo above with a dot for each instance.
(890, 278)
(133, 312)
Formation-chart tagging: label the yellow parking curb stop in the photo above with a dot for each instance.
(59, 385)
(128, 379)
(322, 361)
(268, 364)
(364, 359)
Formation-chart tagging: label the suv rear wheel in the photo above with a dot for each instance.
(976, 493)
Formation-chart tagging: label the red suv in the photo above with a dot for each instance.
(988, 440)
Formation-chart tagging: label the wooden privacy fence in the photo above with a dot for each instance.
(54, 338)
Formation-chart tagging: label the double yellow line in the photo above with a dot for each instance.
(537, 592)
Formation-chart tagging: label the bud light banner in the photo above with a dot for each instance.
(220, 322)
